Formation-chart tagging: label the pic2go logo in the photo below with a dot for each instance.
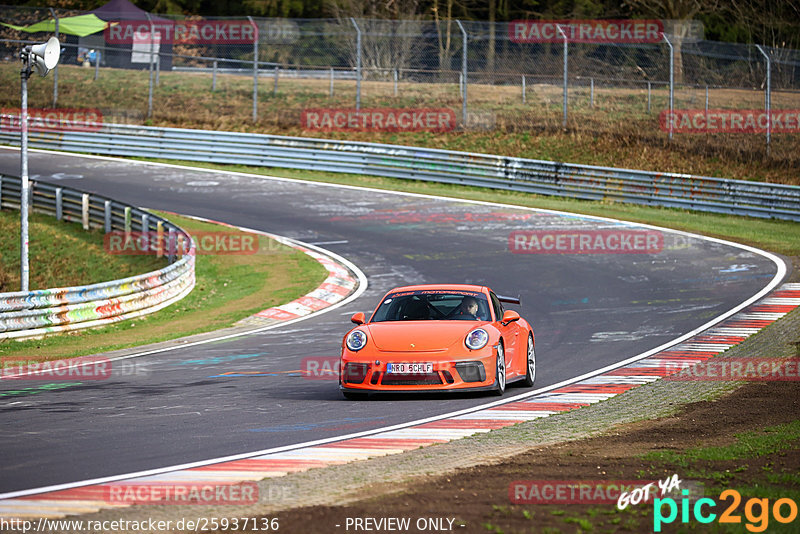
(756, 511)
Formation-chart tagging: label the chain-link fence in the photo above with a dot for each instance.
(201, 72)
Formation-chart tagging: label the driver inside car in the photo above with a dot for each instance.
(467, 310)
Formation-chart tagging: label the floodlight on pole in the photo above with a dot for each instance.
(42, 57)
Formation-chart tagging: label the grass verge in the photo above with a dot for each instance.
(616, 131)
(228, 288)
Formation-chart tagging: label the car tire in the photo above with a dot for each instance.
(530, 363)
(500, 371)
(352, 395)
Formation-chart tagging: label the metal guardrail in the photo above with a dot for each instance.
(588, 182)
(26, 314)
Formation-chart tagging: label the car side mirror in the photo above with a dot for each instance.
(510, 316)
(360, 318)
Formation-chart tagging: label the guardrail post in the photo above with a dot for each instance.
(358, 65)
(1, 193)
(127, 224)
(145, 237)
(107, 216)
(85, 210)
(463, 74)
(255, 70)
(59, 203)
(214, 78)
(171, 244)
(767, 96)
(159, 238)
(55, 69)
(671, 86)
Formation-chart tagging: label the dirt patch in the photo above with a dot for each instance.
(478, 497)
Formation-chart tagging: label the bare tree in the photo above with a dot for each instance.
(390, 31)
(676, 12)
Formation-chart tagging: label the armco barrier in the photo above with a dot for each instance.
(517, 174)
(26, 314)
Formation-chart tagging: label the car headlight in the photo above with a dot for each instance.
(356, 340)
(477, 339)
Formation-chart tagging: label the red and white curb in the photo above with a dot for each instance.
(696, 349)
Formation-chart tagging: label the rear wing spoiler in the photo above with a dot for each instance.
(509, 300)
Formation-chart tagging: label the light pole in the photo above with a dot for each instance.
(41, 57)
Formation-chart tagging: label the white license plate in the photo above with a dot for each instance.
(409, 368)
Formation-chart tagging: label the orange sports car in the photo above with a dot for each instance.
(437, 337)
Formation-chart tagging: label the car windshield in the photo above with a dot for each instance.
(436, 305)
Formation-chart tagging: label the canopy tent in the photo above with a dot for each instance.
(134, 55)
(117, 10)
(80, 25)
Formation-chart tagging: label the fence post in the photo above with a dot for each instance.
(255, 69)
(523, 89)
(59, 203)
(358, 64)
(97, 57)
(331, 84)
(395, 82)
(671, 85)
(214, 77)
(566, 59)
(591, 97)
(55, 69)
(648, 97)
(152, 43)
(275, 83)
(767, 96)
(463, 74)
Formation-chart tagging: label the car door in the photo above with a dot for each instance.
(510, 333)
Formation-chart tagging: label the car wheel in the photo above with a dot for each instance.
(352, 395)
(500, 371)
(530, 371)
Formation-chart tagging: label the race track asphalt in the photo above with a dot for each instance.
(245, 394)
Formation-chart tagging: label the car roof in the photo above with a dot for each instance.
(454, 287)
